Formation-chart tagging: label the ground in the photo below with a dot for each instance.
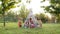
(12, 28)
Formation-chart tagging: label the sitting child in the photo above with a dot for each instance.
(26, 25)
(19, 23)
(32, 25)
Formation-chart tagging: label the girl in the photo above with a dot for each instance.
(32, 25)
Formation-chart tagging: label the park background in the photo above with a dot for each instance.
(46, 10)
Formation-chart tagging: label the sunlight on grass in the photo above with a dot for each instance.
(12, 28)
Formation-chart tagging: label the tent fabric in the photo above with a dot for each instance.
(27, 22)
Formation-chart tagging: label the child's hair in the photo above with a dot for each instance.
(30, 18)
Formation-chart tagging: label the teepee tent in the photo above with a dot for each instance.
(30, 15)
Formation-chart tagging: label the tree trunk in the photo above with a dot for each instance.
(4, 20)
(3, 12)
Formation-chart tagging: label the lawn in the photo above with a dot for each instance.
(12, 28)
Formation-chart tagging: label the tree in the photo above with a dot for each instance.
(23, 12)
(10, 17)
(42, 17)
(6, 5)
(54, 7)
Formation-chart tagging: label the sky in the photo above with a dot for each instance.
(35, 5)
(0, 2)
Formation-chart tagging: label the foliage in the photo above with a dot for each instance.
(6, 5)
(24, 12)
(54, 8)
(42, 17)
(9, 17)
(58, 18)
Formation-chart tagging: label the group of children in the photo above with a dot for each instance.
(29, 23)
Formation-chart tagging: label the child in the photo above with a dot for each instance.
(19, 23)
(40, 23)
(26, 24)
(32, 25)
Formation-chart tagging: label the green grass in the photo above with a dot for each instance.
(12, 28)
